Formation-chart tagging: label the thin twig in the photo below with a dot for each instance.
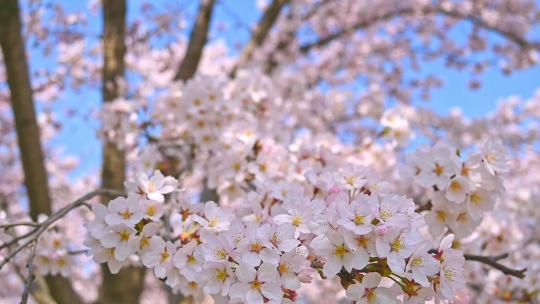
(76, 252)
(36, 232)
(9, 226)
(30, 277)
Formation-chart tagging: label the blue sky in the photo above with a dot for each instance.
(78, 136)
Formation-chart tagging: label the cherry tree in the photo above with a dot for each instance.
(286, 170)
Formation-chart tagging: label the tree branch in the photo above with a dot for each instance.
(493, 262)
(197, 41)
(34, 234)
(30, 277)
(520, 41)
(262, 29)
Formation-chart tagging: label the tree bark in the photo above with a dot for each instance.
(13, 49)
(35, 175)
(197, 41)
(126, 286)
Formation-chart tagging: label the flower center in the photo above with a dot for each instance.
(124, 235)
(455, 186)
(385, 214)
(256, 284)
(438, 169)
(340, 251)
(151, 210)
(221, 253)
(358, 219)
(282, 268)
(362, 241)
(256, 246)
(297, 220)
(145, 241)
(165, 255)
(213, 222)
(221, 275)
(475, 198)
(191, 259)
(396, 245)
(441, 215)
(126, 214)
(417, 261)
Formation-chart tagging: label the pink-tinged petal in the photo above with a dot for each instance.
(212, 287)
(200, 220)
(288, 245)
(420, 277)
(254, 296)
(282, 218)
(268, 273)
(371, 280)
(156, 196)
(396, 263)
(110, 240)
(150, 259)
(251, 258)
(114, 266)
(355, 291)
(246, 273)
(238, 290)
(113, 219)
(290, 281)
(270, 256)
(160, 272)
(332, 267)
(167, 189)
(272, 291)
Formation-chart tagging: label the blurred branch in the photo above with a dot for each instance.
(521, 41)
(262, 29)
(30, 276)
(197, 41)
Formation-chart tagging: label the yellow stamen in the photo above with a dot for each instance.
(213, 222)
(358, 219)
(151, 210)
(221, 275)
(297, 220)
(124, 235)
(165, 255)
(191, 259)
(282, 268)
(438, 169)
(256, 247)
(396, 245)
(455, 186)
(256, 284)
(340, 251)
(220, 253)
(126, 214)
(417, 261)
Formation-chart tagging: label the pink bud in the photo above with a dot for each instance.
(381, 230)
(306, 275)
(335, 189)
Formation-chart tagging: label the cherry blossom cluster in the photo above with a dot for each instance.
(463, 190)
(53, 255)
(282, 237)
